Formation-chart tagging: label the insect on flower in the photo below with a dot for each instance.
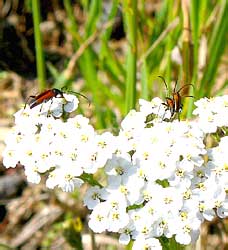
(174, 104)
(44, 97)
(48, 95)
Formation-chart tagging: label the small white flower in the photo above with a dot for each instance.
(32, 174)
(71, 103)
(129, 187)
(10, 157)
(67, 179)
(133, 121)
(69, 183)
(154, 107)
(125, 233)
(98, 221)
(118, 166)
(52, 180)
(118, 219)
(151, 243)
(188, 229)
(94, 195)
(143, 228)
(56, 108)
(78, 122)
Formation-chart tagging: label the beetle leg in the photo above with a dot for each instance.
(30, 97)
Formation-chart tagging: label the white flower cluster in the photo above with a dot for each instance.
(218, 176)
(159, 183)
(212, 113)
(61, 150)
(161, 178)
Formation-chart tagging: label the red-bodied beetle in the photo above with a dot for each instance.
(174, 104)
(48, 95)
(44, 97)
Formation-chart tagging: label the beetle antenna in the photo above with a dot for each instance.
(188, 96)
(163, 79)
(79, 94)
(174, 90)
(75, 93)
(64, 88)
(27, 101)
(189, 84)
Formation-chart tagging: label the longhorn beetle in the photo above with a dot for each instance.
(174, 104)
(48, 95)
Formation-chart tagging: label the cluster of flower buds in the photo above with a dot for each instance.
(162, 180)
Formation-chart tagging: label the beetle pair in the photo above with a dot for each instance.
(174, 104)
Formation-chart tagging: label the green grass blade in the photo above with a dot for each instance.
(73, 25)
(195, 12)
(86, 60)
(187, 53)
(53, 70)
(130, 23)
(93, 15)
(110, 61)
(169, 43)
(38, 45)
(216, 48)
(107, 58)
(112, 14)
(114, 78)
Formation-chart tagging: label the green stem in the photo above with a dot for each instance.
(174, 245)
(195, 11)
(194, 15)
(187, 56)
(107, 58)
(130, 15)
(89, 179)
(38, 44)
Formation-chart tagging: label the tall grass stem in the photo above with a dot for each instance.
(130, 23)
(40, 65)
(215, 50)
